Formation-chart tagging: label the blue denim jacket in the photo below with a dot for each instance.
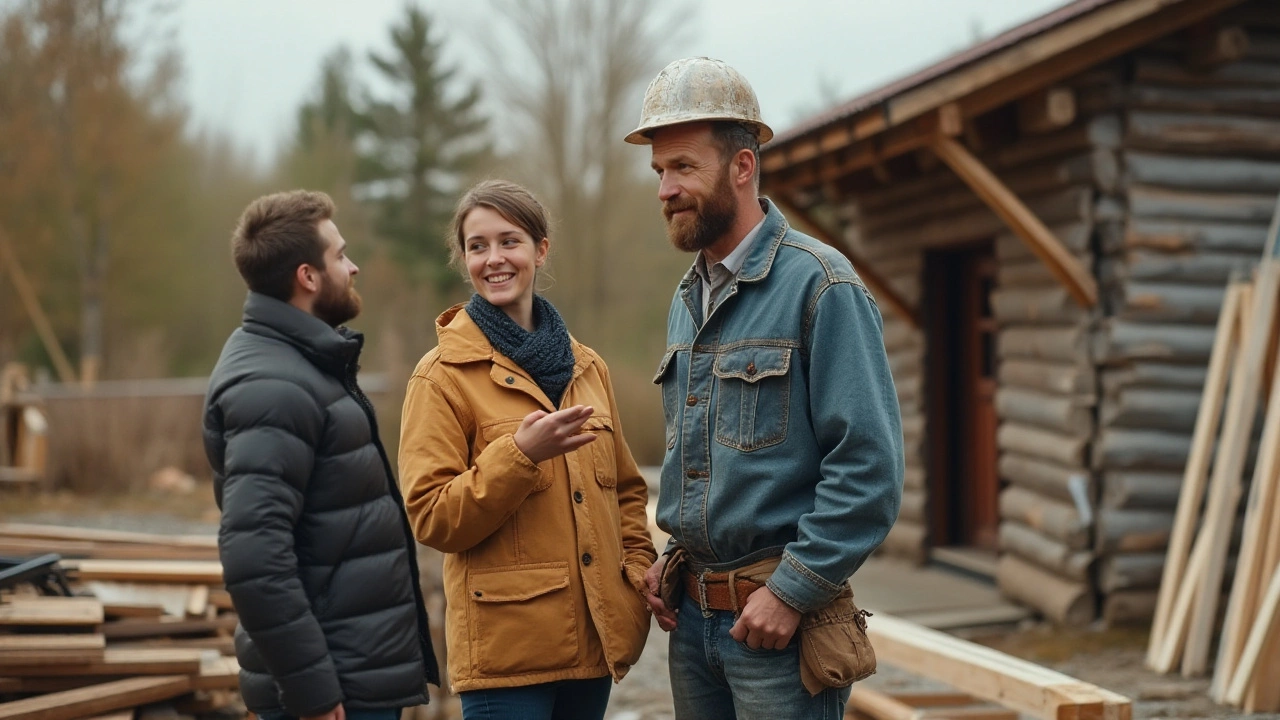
(783, 429)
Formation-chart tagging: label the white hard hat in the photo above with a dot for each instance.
(694, 90)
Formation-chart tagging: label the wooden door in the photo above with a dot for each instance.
(963, 477)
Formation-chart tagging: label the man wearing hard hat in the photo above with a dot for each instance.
(784, 460)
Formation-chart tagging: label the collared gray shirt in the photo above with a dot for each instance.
(719, 276)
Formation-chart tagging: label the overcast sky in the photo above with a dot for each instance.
(250, 63)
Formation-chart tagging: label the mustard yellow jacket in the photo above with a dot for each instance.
(544, 564)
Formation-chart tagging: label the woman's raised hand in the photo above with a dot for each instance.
(543, 435)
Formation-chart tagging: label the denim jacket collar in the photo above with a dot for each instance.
(758, 263)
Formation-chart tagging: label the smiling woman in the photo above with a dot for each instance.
(513, 463)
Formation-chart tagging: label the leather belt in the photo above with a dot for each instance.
(711, 590)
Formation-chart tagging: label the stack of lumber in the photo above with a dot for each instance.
(977, 674)
(1201, 169)
(1243, 361)
(138, 632)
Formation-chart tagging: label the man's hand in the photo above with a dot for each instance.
(335, 714)
(766, 623)
(666, 616)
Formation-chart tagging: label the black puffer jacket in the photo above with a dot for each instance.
(316, 549)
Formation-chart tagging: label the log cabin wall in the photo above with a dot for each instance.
(1200, 159)
(1162, 186)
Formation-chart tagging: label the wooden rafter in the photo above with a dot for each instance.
(880, 287)
(1064, 266)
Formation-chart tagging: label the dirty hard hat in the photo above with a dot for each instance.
(694, 90)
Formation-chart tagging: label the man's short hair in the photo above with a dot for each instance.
(275, 235)
(732, 137)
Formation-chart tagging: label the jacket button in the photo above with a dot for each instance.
(479, 594)
(577, 496)
(586, 558)
(693, 400)
(692, 474)
(511, 380)
(751, 368)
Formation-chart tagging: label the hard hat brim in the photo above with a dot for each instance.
(640, 136)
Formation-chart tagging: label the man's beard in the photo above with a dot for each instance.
(709, 222)
(336, 305)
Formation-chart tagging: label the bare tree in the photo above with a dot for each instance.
(576, 72)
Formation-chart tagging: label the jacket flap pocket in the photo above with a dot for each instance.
(496, 429)
(597, 423)
(517, 582)
(753, 363)
(662, 366)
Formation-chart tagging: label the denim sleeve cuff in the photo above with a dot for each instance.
(799, 587)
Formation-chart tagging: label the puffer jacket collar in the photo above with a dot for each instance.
(333, 350)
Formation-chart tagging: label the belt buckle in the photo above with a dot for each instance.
(702, 594)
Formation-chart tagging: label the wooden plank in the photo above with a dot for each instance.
(165, 571)
(221, 599)
(51, 611)
(102, 551)
(25, 641)
(61, 532)
(1251, 573)
(880, 287)
(165, 626)
(1028, 227)
(1262, 633)
(1175, 635)
(198, 602)
(220, 673)
(116, 661)
(96, 699)
(118, 715)
(933, 699)
(1224, 493)
(132, 610)
(990, 674)
(38, 662)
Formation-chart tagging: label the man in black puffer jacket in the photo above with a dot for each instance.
(316, 550)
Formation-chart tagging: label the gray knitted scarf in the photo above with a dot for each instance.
(546, 353)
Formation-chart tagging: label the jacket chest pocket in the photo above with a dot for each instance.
(600, 452)
(752, 397)
(666, 378)
(492, 431)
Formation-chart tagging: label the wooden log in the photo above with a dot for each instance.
(1159, 71)
(1208, 174)
(1055, 412)
(1205, 134)
(1042, 476)
(1045, 552)
(1167, 302)
(1074, 379)
(1057, 520)
(1050, 303)
(1130, 571)
(94, 699)
(1041, 443)
(1152, 408)
(1060, 600)
(1141, 489)
(1046, 110)
(1226, 100)
(1172, 236)
(912, 508)
(1128, 607)
(1121, 340)
(1149, 201)
(1133, 531)
(990, 674)
(1069, 344)
(1124, 448)
(1075, 236)
(1153, 375)
(906, 540)
(1214, 47)
(1185, 268)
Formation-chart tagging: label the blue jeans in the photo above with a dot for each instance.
(714, 677)
(379, 714)
(562, 700)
